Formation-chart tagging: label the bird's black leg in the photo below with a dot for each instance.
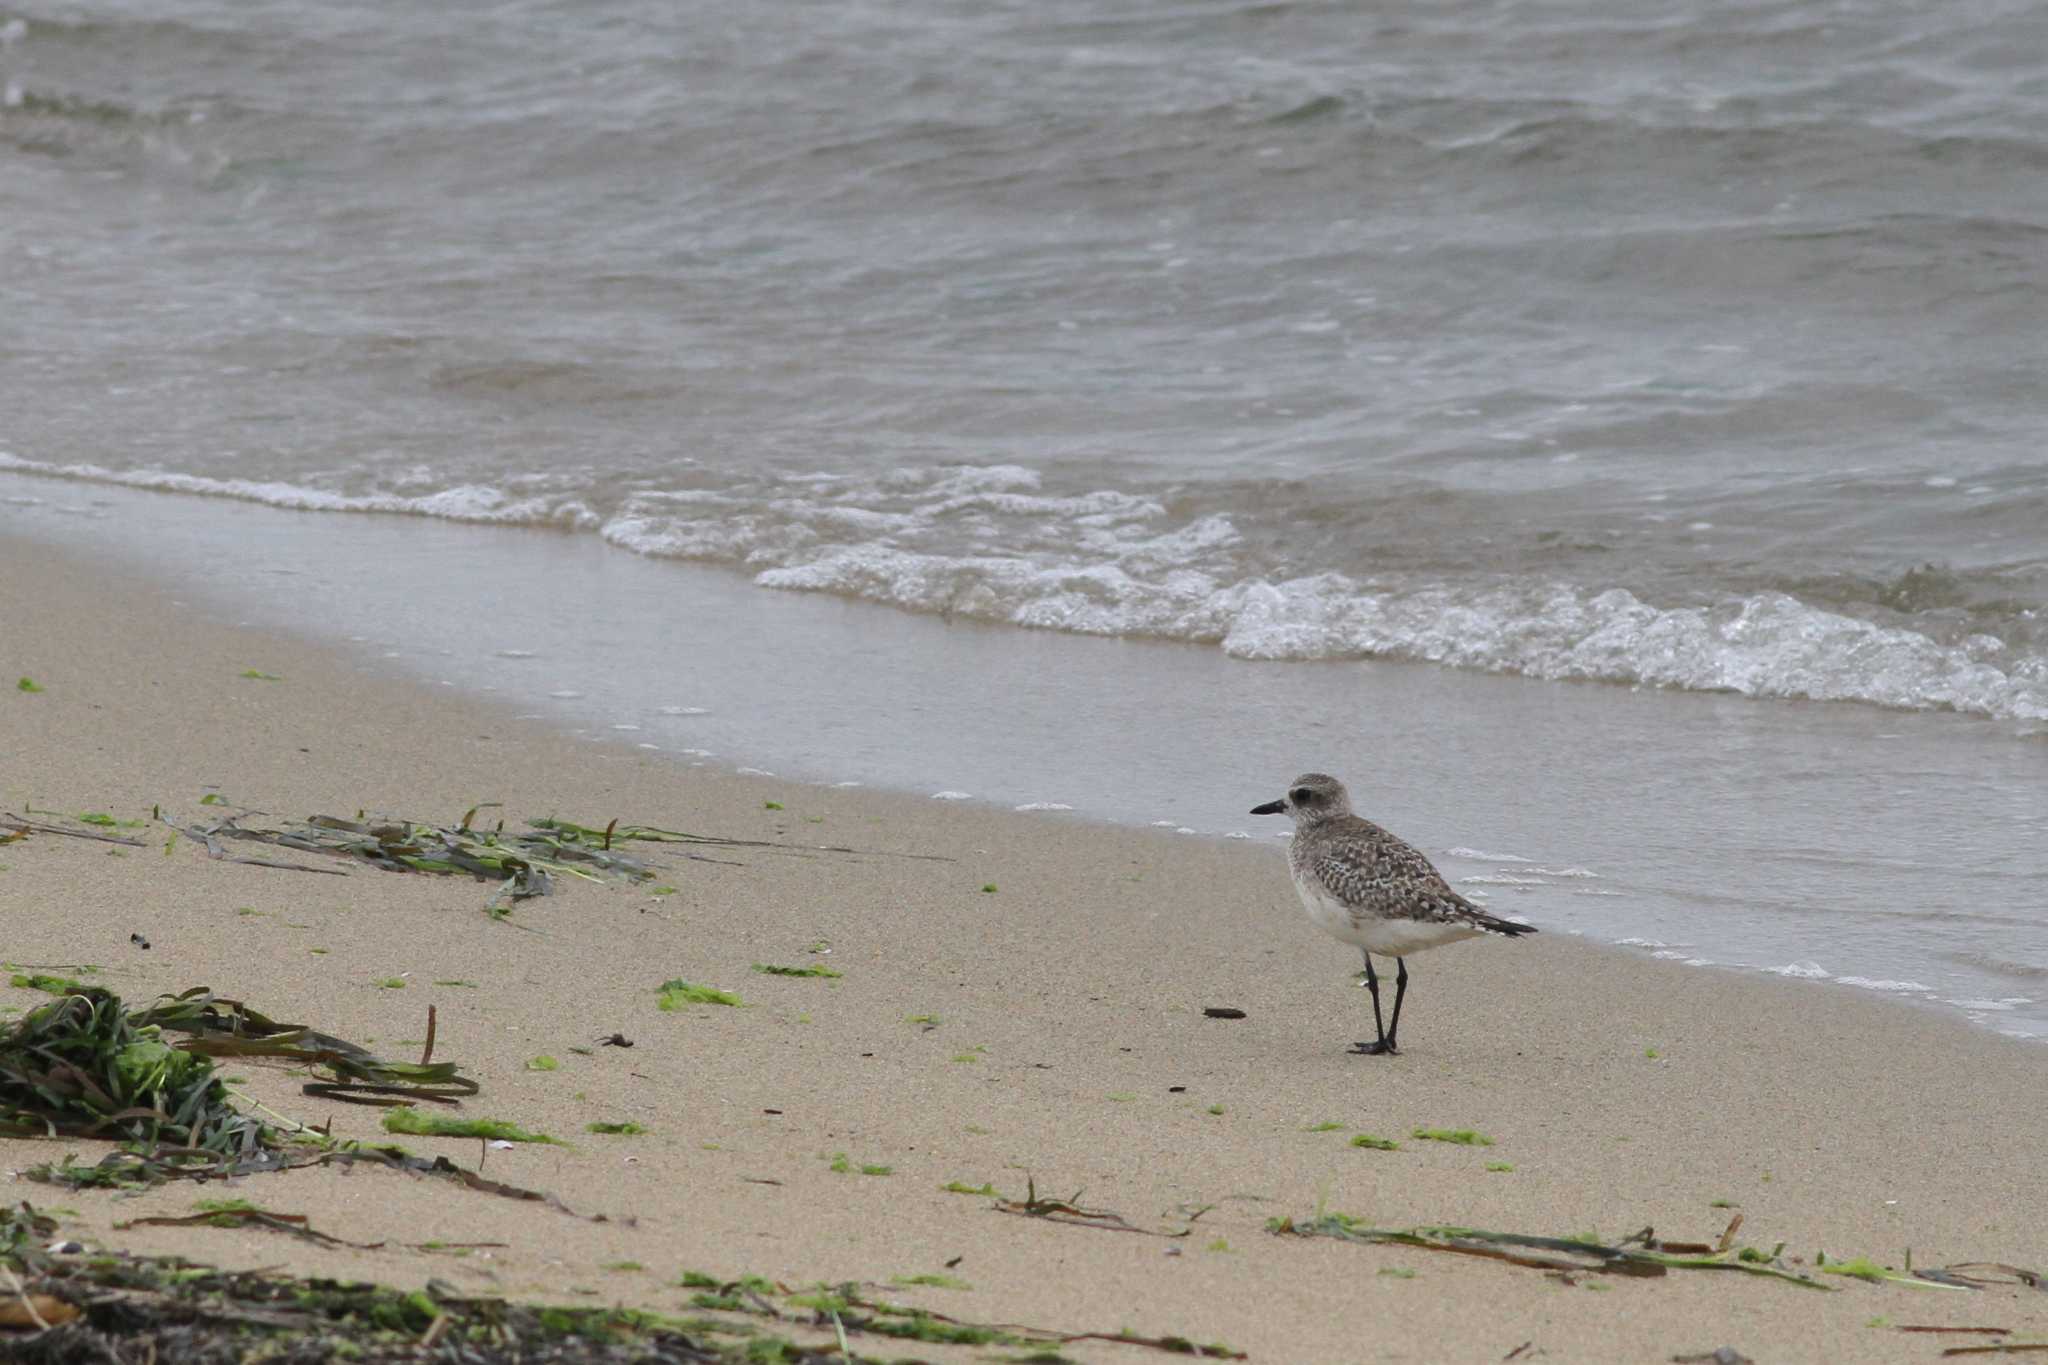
(1385, 1043)
(1400, 989)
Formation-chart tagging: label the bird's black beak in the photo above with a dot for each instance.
(1270, 808)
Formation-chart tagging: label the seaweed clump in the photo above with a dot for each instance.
(86, 1066)
(100, 1307)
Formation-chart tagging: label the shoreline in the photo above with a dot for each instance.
(1062, 1044)
(1629, 633)
(1801, 876)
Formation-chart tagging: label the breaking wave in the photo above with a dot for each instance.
(989, 543)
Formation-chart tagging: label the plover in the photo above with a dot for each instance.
(1364, 886)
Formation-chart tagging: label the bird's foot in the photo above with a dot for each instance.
(1382, 1048)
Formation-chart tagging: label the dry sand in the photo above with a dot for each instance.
(1070, 1046)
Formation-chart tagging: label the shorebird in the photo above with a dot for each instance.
(1367, 887)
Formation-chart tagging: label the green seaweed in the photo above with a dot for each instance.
(228, 1207)
(523, 865)
(1863, 1268)
(417, 1123)
(1463, 1137)
(815, 969)
(1859, 1267)
(73, 1175)
(625, 1129)
(85, 1065)
(53, 985)
(676, 993)
(960, 1187)
(1325, 1127)
(103, 820)
(1378, 1144)
(27, 684)
(936, 1331)
(933, 1279)
(840, 1164)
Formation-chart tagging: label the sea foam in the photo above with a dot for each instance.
(990, 543)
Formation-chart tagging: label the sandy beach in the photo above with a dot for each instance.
(1021, 1000)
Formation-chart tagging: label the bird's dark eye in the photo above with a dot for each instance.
(1299, 796)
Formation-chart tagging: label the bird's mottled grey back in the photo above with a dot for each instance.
(1380, 874)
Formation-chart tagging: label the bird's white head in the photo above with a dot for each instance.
(1312, 798)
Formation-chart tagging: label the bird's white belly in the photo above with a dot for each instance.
(1387, 937)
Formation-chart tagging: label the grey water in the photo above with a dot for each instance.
(1684, 343)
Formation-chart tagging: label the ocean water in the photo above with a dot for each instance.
(1678, 346)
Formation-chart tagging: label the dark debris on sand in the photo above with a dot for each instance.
(115, 1308)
